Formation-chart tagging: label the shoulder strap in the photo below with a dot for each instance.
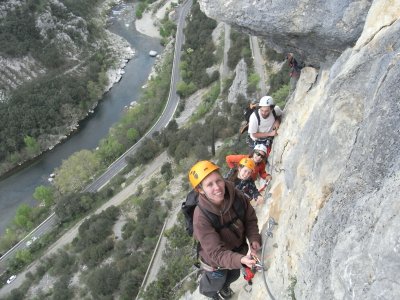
(258, 116)
(238, 207)
(213, 218)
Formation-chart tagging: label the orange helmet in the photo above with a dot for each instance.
(200, 171)
(247, 162)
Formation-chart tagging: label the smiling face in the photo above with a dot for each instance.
(244, 173)
(213, 186)
(258, 156)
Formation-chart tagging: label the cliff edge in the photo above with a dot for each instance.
(336, 160)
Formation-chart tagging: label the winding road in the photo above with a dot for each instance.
(118, 165)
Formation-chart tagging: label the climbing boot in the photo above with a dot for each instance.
(226, 292)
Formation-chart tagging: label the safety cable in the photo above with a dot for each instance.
(268, 234)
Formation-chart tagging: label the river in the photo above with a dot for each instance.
(19, 187)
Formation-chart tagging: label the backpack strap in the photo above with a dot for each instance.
(273, 113)
(239, 209)
(258, 116)
(213, 218)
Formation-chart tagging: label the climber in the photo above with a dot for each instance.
(264, 123)
(241, 177)
(258, 155)
(222, 251)
(295, 67)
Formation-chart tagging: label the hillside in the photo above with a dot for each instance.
(54, 60)
(336, 161)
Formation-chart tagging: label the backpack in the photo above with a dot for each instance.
(192, 200)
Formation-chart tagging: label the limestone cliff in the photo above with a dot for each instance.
(336, 162)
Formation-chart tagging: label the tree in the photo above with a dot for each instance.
(71, 205)
(166, 171)
(61, 290)
(45, 195)
(104, 281)
(32, 146)
(21, 258)
(23, 217)
(132, 135)
(94, 91)
(76, 171)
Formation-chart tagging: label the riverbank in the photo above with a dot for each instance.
(150, 21)
(121, 51)
(18, 188)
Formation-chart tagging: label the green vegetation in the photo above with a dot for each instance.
(290, 289)
(45, 106)
(79, 169)
(252, 83)
(167, 29)
(111, 267)
(198, 53)
(76, 172)
(127, 258)
(45, 195)
(281, 95)
(141, 7)
(279, 79)
(240, 48)
(179, 259)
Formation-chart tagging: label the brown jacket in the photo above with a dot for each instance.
(215, 247)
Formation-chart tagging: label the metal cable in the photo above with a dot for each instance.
(268, 234)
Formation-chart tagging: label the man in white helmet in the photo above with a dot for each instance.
(264, 123)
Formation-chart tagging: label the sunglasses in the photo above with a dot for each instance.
(259, 154)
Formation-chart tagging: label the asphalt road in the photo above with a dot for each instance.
(120, 163)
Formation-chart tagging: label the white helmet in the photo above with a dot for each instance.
(260, 147)
(266, 101)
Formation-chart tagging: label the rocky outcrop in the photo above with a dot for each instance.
(336, 160)
(239, 84)
(315, 30)
(66, 32)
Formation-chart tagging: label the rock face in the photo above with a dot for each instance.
(315, 30)
(336, 161)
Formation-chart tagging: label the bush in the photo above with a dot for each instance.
(280, 95)
(240, 48)
(279, 79)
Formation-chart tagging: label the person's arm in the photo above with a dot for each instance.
(253, 191)
(233, 160)
(276, 124)
(261, 170)
(261, 135)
